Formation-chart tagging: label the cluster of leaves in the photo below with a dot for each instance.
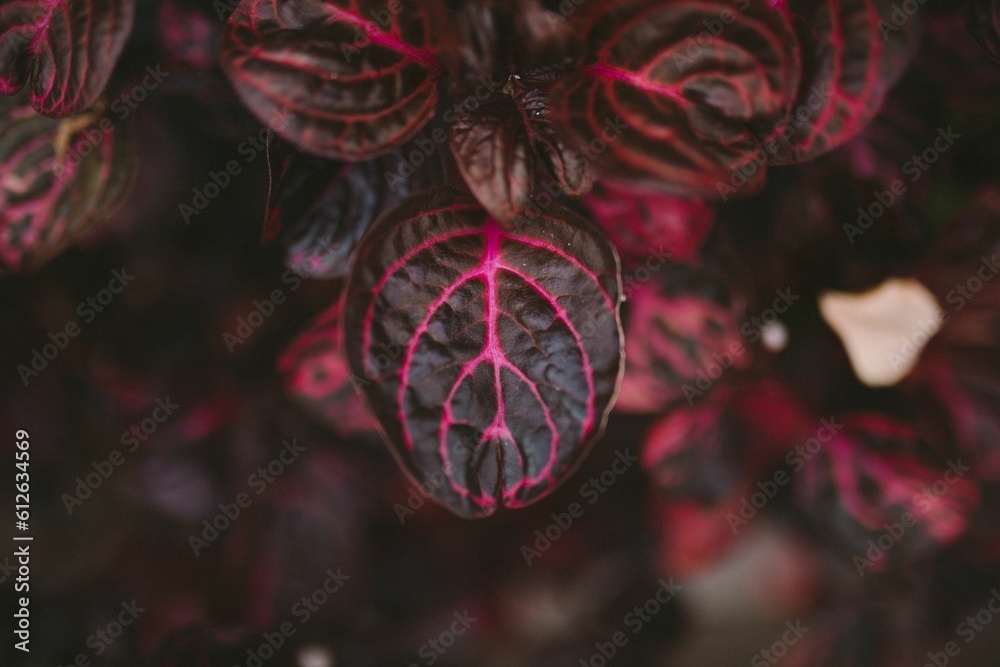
(534, 107)
(527, 216)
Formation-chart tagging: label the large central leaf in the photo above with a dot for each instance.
(491, 357)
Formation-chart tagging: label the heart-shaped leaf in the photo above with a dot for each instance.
(317, 376)
(66, 50)
(57, 178)
(982, 17)
(345, 79)
(676, 94)
(491, 355)
(853, 52)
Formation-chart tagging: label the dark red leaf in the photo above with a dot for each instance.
(865, 630)
(500, 146)
(665, 100)
(684, 335)
(983, 20)
(870, 479)
(321, 208)
(345, 79)
(695, 452)
(491, 357)
(317, 376)
(961, 362)
(853, 52)
(643, 222)
(66, 50)
(57, 178)
(515, 36)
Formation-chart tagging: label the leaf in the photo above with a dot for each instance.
(871, 479)
(317, 376)
(491, 356)
(684, 336)
(344, 79)
(66, 51)
(500, 147)
(695, 452)
(57, 179)
(645, 224)
(516, 36)
(322, 207)
(982, 17)
(853, 52)
(676, 95)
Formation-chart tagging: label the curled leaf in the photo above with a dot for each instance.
(501, 146)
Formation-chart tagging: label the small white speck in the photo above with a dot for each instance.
(315, 656)
(774, 336)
